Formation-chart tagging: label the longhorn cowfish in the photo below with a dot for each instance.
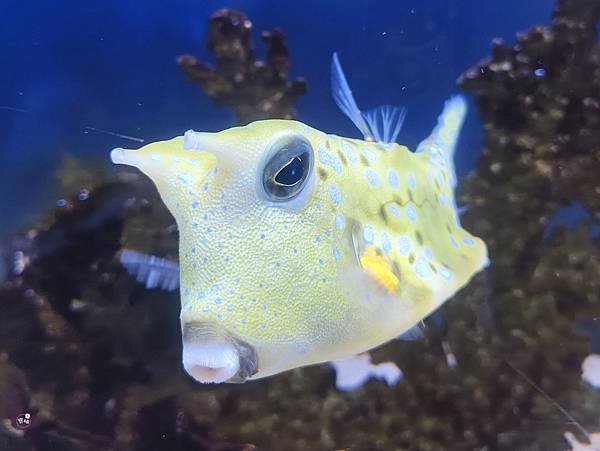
(298, 247)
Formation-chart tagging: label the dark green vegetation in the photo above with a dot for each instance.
(96, 357)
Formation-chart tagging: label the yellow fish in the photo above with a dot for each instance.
(298, 247)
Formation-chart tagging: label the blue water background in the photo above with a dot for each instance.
(111, 65)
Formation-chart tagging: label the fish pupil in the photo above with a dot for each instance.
(291, 173)
(287, 170)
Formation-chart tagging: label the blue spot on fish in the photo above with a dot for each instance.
(454, 242)
(445, 273)
(422, 269)
(336, 194)
(368, 234)
(336, 254)
(184, 179)
(412, 181)
(349, 152)
(404, 245)
(411, 213)
(330, 160)
(428, 253)
(469, 241)
(386, 244)
(369, 155)
(393, 179)
(372, 177)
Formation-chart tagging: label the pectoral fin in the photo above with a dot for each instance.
(374, 262)
(152, 271)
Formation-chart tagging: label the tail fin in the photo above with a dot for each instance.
(442, 141)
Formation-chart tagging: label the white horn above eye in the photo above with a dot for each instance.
(191, 140)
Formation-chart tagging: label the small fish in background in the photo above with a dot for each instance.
(299, 247)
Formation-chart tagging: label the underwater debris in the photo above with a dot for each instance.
(256, 89)
(591, 370)
(353, 372)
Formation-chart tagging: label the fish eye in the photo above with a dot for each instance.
(287, 168)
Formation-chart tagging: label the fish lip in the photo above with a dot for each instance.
(210, 362)
(212, 357)
(248, 362)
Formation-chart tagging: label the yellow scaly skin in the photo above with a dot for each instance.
(370, 247)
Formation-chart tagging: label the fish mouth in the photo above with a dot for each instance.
(214, 358)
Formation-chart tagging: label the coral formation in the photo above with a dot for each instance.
(540, 105)
(95, 358)
(89, 354)
(256, 89)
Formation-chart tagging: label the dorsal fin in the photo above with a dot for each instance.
(381, 124)
(385, 122)
(344, 99)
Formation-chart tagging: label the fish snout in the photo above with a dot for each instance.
(212, 357)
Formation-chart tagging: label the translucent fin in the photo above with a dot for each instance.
(385, 122)
(441, 144)
(343, 97)
(373, 261)
(381, 124)
(414, 333)
(355, 371)
(153, 272)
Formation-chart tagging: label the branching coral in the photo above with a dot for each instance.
(256, 89)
